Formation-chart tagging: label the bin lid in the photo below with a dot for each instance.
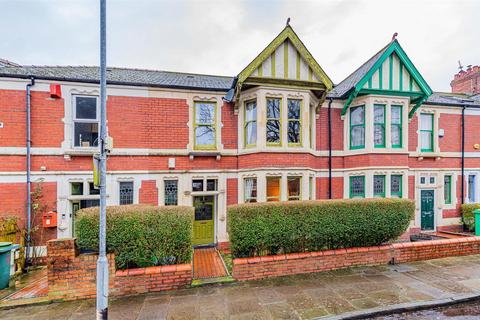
(476, 211)
(4, 244)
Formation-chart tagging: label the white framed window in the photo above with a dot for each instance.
(294, 189)
(472, 188)
(85, 121)
(250, 132)
(170, 191)
(273, 188)
(250, 189)
(125, 192)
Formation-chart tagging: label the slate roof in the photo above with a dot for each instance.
(121, 76)
(6, 63)
(342, 89)
(453, 99)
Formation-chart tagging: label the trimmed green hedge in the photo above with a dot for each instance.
(139, 235)
(467, 215)
(258, 229)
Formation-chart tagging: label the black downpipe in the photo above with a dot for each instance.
(463, 155)
(330, 196)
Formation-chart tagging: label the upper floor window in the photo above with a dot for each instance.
(396, 126)
(447, 189)
(274, 121)
(294, 121)
(250, 186)
(379, 125)
(426, 132)
(126, 192)
(357, 127)
(396, 186)
(85, 121)
(294, 187)
(171, 192)
(379, 186)
(204, 126)
(357, 187)
(250, 123)
(273, 188)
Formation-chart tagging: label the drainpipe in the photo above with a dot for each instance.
(330, 148)
(463, 155)
(29, 200)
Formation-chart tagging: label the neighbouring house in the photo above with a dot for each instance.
(278, 131)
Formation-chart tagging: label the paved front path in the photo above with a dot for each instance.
(305, 297)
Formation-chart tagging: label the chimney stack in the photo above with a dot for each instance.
(467, 81)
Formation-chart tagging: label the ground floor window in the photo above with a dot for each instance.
(250, 185)
(447, 189)
(311, 181)
(126, 192)
(379, 186)
(273, 188)
(294, 188)
(396, 186)
(471, 188)
(171, 192)
(357, 187)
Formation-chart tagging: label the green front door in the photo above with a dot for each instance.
(427, 209)
(203, 226)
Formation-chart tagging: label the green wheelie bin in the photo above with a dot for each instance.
(5, 254)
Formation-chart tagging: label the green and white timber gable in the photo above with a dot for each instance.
(285, 62)
(389, 73)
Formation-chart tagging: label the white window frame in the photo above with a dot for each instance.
(76, 120)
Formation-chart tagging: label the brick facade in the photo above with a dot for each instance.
(467, 81)
(72, 276)
(298, 263)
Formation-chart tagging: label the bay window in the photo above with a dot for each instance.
(379, 125)
(273, 121)
(379, 186)
(396, 126)
(357, 187)
(294, 187)
(85, 121)
(204, 126)
(250, 131)
(250, 189)
(357, 127)
(273, 188)
(426, 132)
(396, 186)
(294, 121)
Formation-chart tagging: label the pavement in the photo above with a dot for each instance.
(345, 292)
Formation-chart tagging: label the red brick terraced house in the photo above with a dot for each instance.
(278, 131)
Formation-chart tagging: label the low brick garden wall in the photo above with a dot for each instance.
(72, 275)
(298, 263)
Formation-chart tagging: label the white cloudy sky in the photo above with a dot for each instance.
(222, 37)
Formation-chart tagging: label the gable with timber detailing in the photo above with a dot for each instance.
(392, 75)
(287, 58)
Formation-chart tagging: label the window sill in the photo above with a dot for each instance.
(204, 153)
(426, 154)
(82, 151)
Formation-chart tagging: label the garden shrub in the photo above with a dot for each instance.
(139, 235)
(257, 229)
(467, 215)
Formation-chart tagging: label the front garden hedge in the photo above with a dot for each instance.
(139, 235)
(258, 229)
(468, 216)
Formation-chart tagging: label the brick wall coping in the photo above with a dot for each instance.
(303, 255)
(153, 270)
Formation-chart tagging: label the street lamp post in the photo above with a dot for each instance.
(102, 263)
